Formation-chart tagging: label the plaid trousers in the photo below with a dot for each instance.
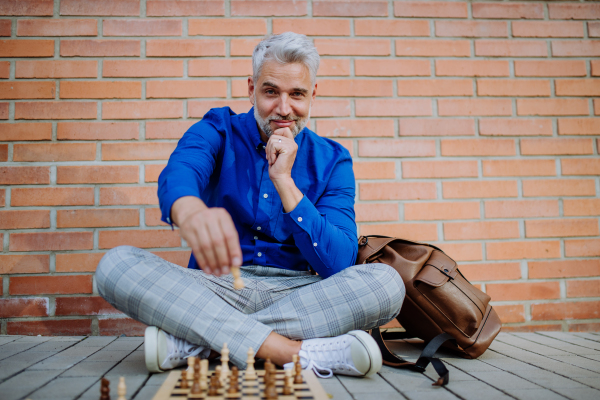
(206, 310)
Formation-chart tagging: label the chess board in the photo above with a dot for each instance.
(310, 389)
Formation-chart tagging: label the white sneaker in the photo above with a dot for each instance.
(355, 353)
(164, 351)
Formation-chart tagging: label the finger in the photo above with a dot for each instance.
(190, 235)
(286, 132)
(206, 248)
(232, 240)
(220, 247)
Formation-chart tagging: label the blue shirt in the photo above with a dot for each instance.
(221, 160)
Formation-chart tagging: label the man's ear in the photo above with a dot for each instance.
(314, 93)
(251, 90)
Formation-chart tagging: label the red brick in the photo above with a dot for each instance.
(527, 249)
(433, 48)
(230, 27)
(34, 307)
(97, 174)
(99, 48)
(197, 108)
(374, 170)
(472, 28)
(355, 127)
(479, 189)
(52, 197)
(439, 169)
(100, 7)
(137, 151)
(491, 272)
(141, 27)
(100, 90)
(142, 109)
(97, 218)
(515, 127)
(390, 67)
(578, 126)
(437, 127)
(152, 171)
(329, 108)
(2, 195)
(563, 269)
(561, 228)
(353, 47)
(27, 90)
(596, 107)
(268, 8)
(552, 107)
(513, 87)
(24, 264)
(376, 212)
(3, 152)
(481, 230)
(509, 11)
(523, 291)
(385, 27)
(478, 147)
(557, 146)
(521, 208)
(434, 9)
(186, 89)
(44, 241)
(576, 48)
(559, 187)
(180, 258)
(519, 167)
(30, 219)
(510, 313)
(581, 207)
(24, 175)
(397, 191)
(239, 88)
(435, 87)
(61, 327)
(167, 129)
(577, 87)
(582, 248)
(50, 284)
(55, 110)
(242, 47)
(94, 305)
(57, 27)
(152, 217)
(127, 195)
(550, 68)
(350, 8)
(142, 68)
(423, 211)
(139, 238)
(25, 131)
(125, 326)
(396, 148)
(547, 29)
(355, 87)
(591, 327)
(566, 310)
(583, 288)
(169, 8)
(185, 47)
(5, 27)
(462, 251)
(510, 48)
(27, 7)
(4, 69)
(593, 29)
(57, 69)
(97, 130)
(471, 68)
(574, 11)
(26, 48)
(333, 67)
(392, 107)
(418, 232)
(54, 152)
(77, 262)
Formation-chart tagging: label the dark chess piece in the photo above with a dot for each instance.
(104, 389)
(214, 385)
(184, 382)
(298, 377)
(271, 391)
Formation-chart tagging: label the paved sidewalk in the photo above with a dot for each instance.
(543, 365)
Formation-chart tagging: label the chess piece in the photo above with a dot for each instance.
(218, 374)
(184, 382)
(250, 371)
(214, 385)
(203, 374)
(196, 389)
(104, 389)
(233, 381)
(190, 369)
(298, 378)
(271, 391)
(288, 387)
(224, 364)
(238, 283)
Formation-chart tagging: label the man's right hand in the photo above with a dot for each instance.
(211, 234)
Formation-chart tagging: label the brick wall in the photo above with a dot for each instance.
(473, 125)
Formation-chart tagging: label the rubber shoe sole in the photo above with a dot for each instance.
(371, 347)
(151, 349)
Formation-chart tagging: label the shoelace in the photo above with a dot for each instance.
(182, 348)
(327, 356)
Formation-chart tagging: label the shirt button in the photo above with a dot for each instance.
(258, 228)
(259, 254)
(315, 244)
(255, 237)
(265, 195)
(299, 219)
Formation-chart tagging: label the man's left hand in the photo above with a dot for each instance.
(281, 154)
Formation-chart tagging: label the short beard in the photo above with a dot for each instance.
(265, 124)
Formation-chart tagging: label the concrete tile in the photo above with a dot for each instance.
(56, 363)
(34, 339)
(20, 362)
(132, 384)
(15, 347)
(89, 368)
(8, 339)
(569, 370)
(537, 348)
(367, 396)
(402, 381)
(572, 339)
(579, 394)
(372, 384)
(9, 369)
(582, 362)
(67, 338)
(125, 344)
(510, 364)
(107, 355)
(335, 388)
(535, 394)
(587, 335)
(456, 375)
(477, 390)
(593, 382)
(97, 341)
(549, 379)
(78, 351)
(136, 356)
(54, 345)
(146, 393)
(157, 379)
(472, 365)
(437, 394)
(544, 340)
(63, 388)
(502, 380)
(130, 368)
(24, 383)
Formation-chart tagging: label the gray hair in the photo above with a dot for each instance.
(285, 48)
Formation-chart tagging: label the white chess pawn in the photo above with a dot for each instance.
(250, 371)
(224, 363)
(190, 369)
(121, 389)
(238, 283)
(204, 374)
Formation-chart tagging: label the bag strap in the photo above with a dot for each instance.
(426, 357)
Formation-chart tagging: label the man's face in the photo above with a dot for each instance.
(281, 97)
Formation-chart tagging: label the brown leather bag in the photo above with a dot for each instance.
(440, 304)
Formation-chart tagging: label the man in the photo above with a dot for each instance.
(261, 191)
